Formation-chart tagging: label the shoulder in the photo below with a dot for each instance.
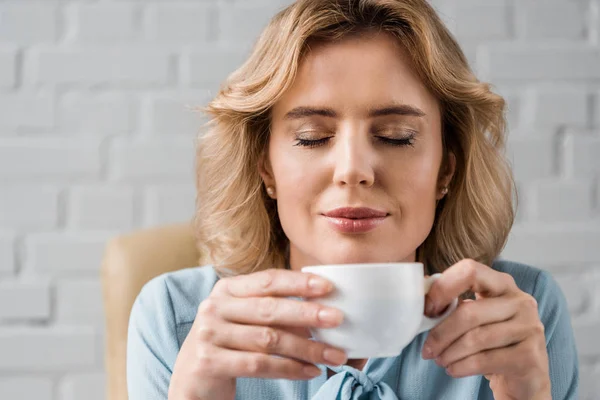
(525, 276)
(529, 279)
(178, 293)
(539, 283)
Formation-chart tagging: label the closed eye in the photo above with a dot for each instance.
(311, 143)
(408, 141)
(401, 142)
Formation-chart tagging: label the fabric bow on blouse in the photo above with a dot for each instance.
(350, 383)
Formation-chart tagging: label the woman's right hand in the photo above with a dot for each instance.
(247, 328)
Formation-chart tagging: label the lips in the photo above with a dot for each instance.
(355, 220)
(355, 213)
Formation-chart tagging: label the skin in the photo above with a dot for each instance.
(352, 165)
(246, 319)
(355, 167)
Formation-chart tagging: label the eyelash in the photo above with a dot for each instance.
(408, 141)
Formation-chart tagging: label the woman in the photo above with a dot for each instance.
(355, 132)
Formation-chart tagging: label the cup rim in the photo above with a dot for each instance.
(361, 265)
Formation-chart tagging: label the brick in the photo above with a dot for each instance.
(564, 201)
(242, 23)
(26, 387)
(175, 116)
(124, 67)
(577, 291)
(209, 67)
(8, 68)
(557, 107)
(597, 194)
(103, 114)
(79, 302)
(68, 254)
(91, 22)
(28, 24)
(26, 110)
(153, 160)
(47, 349)
(482, 20)
(24, 301)
(168, 204)
(543, 19)
(554, 246)
(586, 337)
(25, 207)
(589, 382)
(7, 253)
(596, 98)
(582, 155)
(180, 23)
(90, 386)
(548, 62)
(527, 168)
(101, 207)
(48, 158)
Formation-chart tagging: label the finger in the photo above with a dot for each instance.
(468, 316)
(505, 361)
(269, 340)
(274, 282)
(279, 311)
(487, 337)
(296, 330)
(468, 275)
(235, 363)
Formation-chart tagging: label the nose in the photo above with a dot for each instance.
(354, 160)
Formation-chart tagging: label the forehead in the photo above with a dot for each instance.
(355, 73)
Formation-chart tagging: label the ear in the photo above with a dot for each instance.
(265, 170)
(446, 174)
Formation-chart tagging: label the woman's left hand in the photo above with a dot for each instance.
(499, 335)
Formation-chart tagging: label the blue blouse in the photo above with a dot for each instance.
(164, 312)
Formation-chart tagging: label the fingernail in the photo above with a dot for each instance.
(334, 356)
(427, 353)
(319, 285)
(330, 316)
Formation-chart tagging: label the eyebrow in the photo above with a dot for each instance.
(399, 109)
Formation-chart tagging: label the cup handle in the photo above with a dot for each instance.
(428, 323)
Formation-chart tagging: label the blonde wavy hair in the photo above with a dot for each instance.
(236, 223)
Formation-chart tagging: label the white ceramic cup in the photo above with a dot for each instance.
(383, 306)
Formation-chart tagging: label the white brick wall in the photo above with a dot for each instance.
(83, 386)
(27, 388)
(89, 22)
(96, 138)
(24, 301)
(25, 110)
(8, 68)
(552, 19)
(29, 24)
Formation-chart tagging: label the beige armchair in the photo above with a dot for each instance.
(129, 262)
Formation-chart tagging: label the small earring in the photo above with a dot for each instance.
(271, 191)
(445, 190)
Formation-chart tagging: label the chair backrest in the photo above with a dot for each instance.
(129, 262)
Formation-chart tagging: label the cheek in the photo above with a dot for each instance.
(298, 184)
(418, 187)
(421, 172)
